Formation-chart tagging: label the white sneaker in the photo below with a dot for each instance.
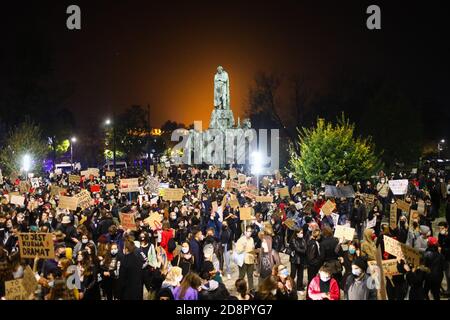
(229, 276)
(302, 293)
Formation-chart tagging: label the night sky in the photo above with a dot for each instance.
(165, 53)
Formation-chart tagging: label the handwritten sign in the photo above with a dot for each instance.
(17, 200)
(398, 187)
(264, 199)
(328, 207)
(36, 244)
(84, 199)
(110, 173)
(245, 213)
(73, 178)
(296, 189)
(127, 221)
(413, 215)
(213, 183)
(173, 194)
(344, 233)
(129, 185)
(110, 186)
(14, 290)
(154, 220)
(421, 207)
(284, 192)
(241, 178)
(69, 203)
(233, 173)
(29, 280)
(403, 205)
(389, 267)
(393, 216)
(401, 250)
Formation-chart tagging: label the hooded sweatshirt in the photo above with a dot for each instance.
(368, 247)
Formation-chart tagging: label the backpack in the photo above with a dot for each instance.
(171, 245)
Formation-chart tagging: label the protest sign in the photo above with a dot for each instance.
(153, 185)
(335, 218)
(154, 220)
(95, 188)
(413, 215)
(55, 190)
(35, 182)
(73, 178)
(234, 203)
(264, 199)
(241, 178)
(403, 205)
(339, 192)
(295, 190)
(36, 244)
(344, 233)
(94, 172)
(290, 223)
(265, 182)
(69, 203)
(389, 267)
(401, 250)
(213, 183)
(421, 207)
(29, 280)
(284, 192)
(173, 194)
(110, 186)
(24, 186)
(393, 216)
(127, 221)
(398, 187)
(129, 185)
(17, 200)
(14, 290)
(110, 173)
(245, 213)
(368, 198)
(371, 223)
(328, 207)
(84, 199)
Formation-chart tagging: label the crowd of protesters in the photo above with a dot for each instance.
(194, 249)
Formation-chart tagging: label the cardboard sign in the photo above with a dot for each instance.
(241, 178)
(290, 223)
(264, 199)
(403, 205)
(154, 220)
(95, 188)
(17, 200)
(389, 267)
(94, 172)
(234, 203)
(110, 173)
(153, 185)
(413, 215)
(84, 199)
(69, 203)
(200, 190)
(345, 233)
(368, 198)
(36, 244)
(55, 190)
(213, 183)
(398, 187)
(401, 250)
(339, 192)
(393, 216)
(127, 221)
(328, 207)
(284, 192)
(110, 186)
(29, 280)
(129, 185)
(14, 290)
(246, 213)
(24, 186)
(173, 194)
(265, 182)
(295, 190)
(73, 178)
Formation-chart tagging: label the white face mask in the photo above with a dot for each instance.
(84, 241)
(324, 276)
(185, 250)
(274, 291)
(114, 251)
(443, 232)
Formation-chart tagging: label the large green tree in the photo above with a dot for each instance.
(331, 152)
(24, 139)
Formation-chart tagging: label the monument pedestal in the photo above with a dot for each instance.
(221, 119)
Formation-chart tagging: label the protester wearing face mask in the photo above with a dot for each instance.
(347, 259)
(356, 287)
(246, 246)
(184, 260)
(323, 287)
(298, 259)
(196, 248)
(401, 232)
(109, 267)
(226, 245)
(313, 255)
(286, 285)
(444, 243)
(81, 245)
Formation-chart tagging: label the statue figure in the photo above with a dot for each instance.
(221, 89)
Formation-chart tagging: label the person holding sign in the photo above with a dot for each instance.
(246, 246)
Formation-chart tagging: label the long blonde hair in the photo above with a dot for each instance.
(172, 275)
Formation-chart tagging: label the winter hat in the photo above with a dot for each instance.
(361, 263)
(65, 219)
(432, 241)
(424, 229)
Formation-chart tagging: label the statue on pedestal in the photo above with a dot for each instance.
(221, 89)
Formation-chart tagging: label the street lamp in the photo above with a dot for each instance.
(109, 122)
(440, 147)
(72, 141)
(26, 163)
(256, 166)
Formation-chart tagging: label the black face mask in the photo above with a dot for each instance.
(402, 223)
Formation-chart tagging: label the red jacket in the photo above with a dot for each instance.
(314, 289)
(165, 237)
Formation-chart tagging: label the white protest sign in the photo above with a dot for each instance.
(398, 187)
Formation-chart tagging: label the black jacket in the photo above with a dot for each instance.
(313, 254)
(298, 250)
(416, 280)
(435, 262)
(130, 278)
(277, 243)
(444, 242)
(330, 249)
